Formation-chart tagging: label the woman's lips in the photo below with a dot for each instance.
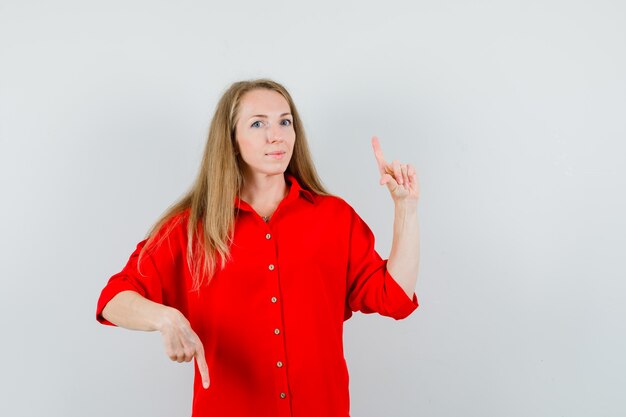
(276, 155)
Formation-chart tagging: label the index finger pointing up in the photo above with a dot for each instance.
(378, 153)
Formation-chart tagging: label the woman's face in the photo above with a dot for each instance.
(264, 132)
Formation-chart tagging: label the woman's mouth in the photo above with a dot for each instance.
(276, 155)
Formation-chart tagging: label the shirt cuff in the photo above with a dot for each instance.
(110, 291)
(401, 305)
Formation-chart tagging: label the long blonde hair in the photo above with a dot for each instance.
(211, 222)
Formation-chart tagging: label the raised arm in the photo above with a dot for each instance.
(401, 180)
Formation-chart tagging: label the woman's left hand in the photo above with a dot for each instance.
(400, 178)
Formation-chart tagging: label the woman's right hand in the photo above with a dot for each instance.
(182, 343)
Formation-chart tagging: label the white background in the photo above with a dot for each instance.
(513, 113)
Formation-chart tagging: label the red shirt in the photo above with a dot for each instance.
(271, 322)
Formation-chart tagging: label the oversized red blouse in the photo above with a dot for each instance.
(271, 322)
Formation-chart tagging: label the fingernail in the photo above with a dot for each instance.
(205, 385)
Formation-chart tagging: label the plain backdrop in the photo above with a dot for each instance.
(513, 113)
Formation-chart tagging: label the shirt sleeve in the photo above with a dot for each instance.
(371, 288)
(157, 277)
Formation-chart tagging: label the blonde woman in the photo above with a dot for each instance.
(253, 272)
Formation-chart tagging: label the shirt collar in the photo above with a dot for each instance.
(295, 191)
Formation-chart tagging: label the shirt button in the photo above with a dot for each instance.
(279, 364)
(274, 299)
(271, 267)
(283, 395)
(267, 236)
(276, 331)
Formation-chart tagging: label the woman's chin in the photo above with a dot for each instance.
(270, 171)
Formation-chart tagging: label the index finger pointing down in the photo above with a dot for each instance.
(202, 367)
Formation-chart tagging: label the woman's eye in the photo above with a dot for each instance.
(287, 122)
(256, 124)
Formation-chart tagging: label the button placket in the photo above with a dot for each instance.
(274, 277)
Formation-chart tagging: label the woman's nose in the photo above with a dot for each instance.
(274, 133)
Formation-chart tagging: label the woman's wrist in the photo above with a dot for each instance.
(164, 317)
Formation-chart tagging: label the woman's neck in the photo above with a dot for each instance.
(264, 192)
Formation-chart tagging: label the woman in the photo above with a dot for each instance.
(253, 272)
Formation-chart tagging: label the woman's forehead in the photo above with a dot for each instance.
(263, 102)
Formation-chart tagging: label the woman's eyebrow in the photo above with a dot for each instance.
(265, 116)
